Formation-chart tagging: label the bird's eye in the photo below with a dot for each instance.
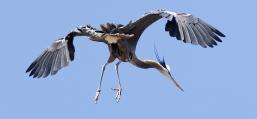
(168, 67)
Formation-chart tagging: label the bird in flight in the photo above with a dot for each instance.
(122, 41)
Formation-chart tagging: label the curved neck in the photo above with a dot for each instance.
(146, 64)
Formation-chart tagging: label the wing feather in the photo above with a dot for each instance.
(57, 64)
(183, 26)
(212, 40)
(204, 37)
(213, 35)
(54, 64)
(41, 66)
(185, 31)
(39, 62)
(212, 28)
(55, 57)
(199, 37)
(208, 40)
(61, 52)
(35, 62)
(181, 31)
(48, 64)
(192, 37)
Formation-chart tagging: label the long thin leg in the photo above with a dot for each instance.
(98, 90)
(119, 89)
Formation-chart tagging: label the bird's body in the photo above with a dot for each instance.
(122, 41)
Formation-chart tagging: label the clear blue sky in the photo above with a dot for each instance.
(219, 83)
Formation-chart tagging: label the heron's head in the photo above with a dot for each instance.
(165, 70)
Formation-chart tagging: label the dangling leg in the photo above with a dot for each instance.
(119, 89)
(98, 90)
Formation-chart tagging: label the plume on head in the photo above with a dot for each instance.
(162, 62)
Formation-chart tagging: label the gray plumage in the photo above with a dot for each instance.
(122, 41)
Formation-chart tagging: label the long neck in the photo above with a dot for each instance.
(146, 63)
(153, 64)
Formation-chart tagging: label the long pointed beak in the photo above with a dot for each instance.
(175, 82)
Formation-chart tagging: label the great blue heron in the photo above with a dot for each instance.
(122, 41)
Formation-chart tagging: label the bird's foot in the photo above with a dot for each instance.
(118, 93)
(97, 93)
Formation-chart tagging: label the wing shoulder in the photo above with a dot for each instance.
(139, 25)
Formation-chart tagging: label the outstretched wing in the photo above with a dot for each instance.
(183, 26)
(55, 57)
(60, 53)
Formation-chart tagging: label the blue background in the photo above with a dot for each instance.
(219, 83)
